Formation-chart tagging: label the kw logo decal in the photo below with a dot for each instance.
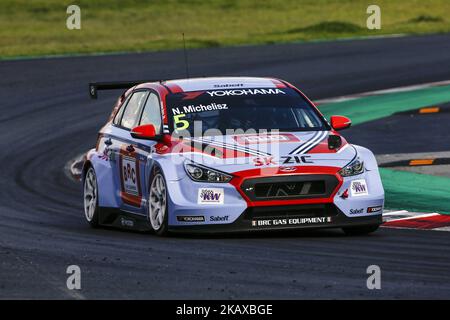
(210, 196)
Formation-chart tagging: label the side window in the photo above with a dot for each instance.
(152, 112)
(119, 114)
(130, 116)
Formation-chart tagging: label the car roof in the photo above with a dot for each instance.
(222, 83)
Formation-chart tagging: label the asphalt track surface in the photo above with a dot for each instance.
(46, 118)
(417, 132)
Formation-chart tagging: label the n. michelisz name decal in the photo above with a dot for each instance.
(200, 108)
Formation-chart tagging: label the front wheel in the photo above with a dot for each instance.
(157, 204)
(357, 231)
(90, 197)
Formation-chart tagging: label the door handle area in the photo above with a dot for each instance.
(130, 148)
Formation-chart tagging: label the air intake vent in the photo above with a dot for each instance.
(290, 187)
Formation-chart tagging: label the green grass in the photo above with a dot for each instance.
(380, 106)
(415, 192)
(38, 27)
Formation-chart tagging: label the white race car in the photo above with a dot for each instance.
(227, 154)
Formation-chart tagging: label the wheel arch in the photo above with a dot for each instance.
(107, 195)
(86, 165)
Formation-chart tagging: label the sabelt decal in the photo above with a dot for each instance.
(191, 218)
(358, 188)
(218, 218)
(211, 196)
(374, 209)
(265, 138)
(228, 85)
(290, 221)
(357, 211)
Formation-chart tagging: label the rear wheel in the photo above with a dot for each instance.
(90, 197)
(356, 231)
(157, 204)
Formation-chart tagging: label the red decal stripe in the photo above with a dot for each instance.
(278, 83)
(174, 87)
(421, 222)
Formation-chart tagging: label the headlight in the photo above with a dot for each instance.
(204, 174)
(352, 169)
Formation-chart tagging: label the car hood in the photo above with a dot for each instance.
(288, 150)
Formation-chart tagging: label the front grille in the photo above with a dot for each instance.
(290, 187)
(297, 211)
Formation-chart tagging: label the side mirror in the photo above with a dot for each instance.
(334, 142)
(340, 122)
(146, 132)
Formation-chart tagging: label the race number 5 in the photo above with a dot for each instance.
(177, 120)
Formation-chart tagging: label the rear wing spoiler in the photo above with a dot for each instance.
(96, 86)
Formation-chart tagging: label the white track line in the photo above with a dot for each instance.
(385, 91)
(394, 213)
(416, 217)
(442, 229)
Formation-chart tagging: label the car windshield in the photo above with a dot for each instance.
(282, 109)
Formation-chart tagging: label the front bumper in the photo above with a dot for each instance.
(270, 220)
(237, 214)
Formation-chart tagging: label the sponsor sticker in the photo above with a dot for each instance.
(129, 176)
(374, 209)
(191, 218)
(356, 211)
(228, 85)
(296, 159)
(290, 221)
(210, 196)
(106, 155)
(244, 92)
(264, 161)
(218, 218)
(126, 222)
(265, 138)
(359, 188)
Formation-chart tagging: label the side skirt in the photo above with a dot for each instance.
(113, 217)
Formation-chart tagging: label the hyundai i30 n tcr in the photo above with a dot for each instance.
(227, 154)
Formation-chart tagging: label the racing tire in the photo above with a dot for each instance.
(358, 231)
(90, 198)
(157, 208)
